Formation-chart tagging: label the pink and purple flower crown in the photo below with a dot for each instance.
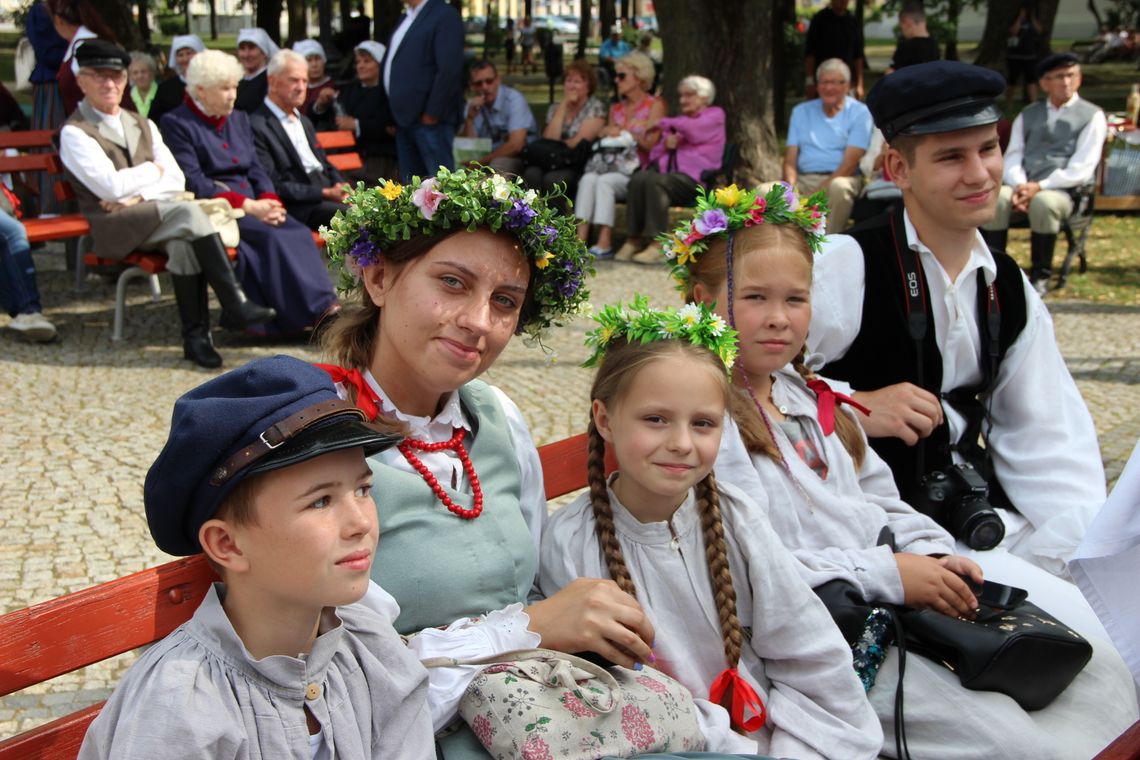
(381, 216)
(724, 210)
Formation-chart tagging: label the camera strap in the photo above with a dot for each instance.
(964, 400)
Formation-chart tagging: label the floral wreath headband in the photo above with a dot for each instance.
(727, 209)
(379, 217)
(641, 323)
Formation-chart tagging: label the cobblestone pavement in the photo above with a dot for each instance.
(82, 419)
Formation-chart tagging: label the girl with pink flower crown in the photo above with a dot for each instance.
(734, 621)
(833, 502)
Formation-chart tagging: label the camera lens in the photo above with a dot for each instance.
(978, 525)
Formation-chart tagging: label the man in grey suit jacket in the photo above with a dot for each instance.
(311, 188)
(422, 74)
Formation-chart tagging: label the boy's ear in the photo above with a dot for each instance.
(895, 164)
(221, 546)
(377, 281)
(602, 420)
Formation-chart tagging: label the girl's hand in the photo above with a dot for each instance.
(960, 565)
(928, 583)
(594, 615)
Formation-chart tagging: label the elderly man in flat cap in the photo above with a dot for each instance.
(945, 340)
(129, 188)
(1054, 148)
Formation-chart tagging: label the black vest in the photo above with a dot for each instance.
(884, 353)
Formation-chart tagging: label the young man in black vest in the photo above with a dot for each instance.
(945, 341)
(1054, 149)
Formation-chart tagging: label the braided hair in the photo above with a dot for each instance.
(622, 361)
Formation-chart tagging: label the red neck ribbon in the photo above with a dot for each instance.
(217, 122)
(827, 400)
(366, 398)
(741, 697)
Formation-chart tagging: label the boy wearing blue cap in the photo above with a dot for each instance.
(945, 340)
(265, 473)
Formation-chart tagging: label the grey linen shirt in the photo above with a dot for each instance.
(199, 693)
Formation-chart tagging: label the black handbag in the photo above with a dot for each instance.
(1013, 647)
(550, 155)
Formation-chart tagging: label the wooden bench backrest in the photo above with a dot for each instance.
(33, 138)
(89, 626)
(73, 631)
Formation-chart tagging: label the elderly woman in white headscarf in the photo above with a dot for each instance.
(255, 48)
(363, 109)
(322, 89)
(183, 48)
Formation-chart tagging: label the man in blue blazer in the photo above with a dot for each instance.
(311, 188)
(423, 76)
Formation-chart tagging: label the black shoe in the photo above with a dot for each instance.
(238, 312)
(997, 240)
(194, 313)
(1041, 245)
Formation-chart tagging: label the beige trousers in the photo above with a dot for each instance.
(1047, 211)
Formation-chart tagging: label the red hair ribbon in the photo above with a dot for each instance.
(827, 400)
(741, 696)
(366, 398)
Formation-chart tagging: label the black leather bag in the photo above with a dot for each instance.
(550, 155)
(1017, 649)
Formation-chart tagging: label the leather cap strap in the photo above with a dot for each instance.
(279, 433)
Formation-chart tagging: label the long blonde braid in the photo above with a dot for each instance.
(603, 512)
(716, 554)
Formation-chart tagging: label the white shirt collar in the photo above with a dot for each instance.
(1049, 103)
(439, 427)
(980, 255)
(278, 112)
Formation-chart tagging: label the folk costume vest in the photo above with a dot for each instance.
(1050, 148)
(885, 353)
(116, 233)
(439, 567)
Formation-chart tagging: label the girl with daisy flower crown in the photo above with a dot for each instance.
(724, 596)
(833, 501)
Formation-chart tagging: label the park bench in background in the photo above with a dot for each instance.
(79, 629)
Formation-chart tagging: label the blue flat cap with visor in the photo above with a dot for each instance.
(1056, 61)
(935, 97)
(268, 414)
(100, 54)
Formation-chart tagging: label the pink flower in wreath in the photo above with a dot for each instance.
(483, 729)
(427, 198)
(575, 706)
(756, 213)
(535, 748)
(652, 684)
(636, 728)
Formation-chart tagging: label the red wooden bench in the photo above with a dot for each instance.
(79, 629)
(89, 626)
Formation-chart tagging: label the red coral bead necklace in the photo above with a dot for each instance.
(455, 443)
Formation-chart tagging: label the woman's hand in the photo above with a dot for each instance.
(266, 210)
(931, 583)
(960, 565)
(346, 122)
(594, 615)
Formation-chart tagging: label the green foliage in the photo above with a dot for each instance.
(941, 15)
(170, 24)
(1124, 13)
(640, 323)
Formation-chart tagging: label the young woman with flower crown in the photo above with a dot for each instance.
(724, 596)
(439, 275)
(832, 500)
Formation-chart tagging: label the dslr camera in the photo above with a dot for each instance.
(958, 499)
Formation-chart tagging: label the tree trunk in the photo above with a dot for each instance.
(1096, 14)
(213, 18)
(585, 20)
(118, 17)
(783, 14)
(298, 21)
(144, 20)
(739, 64)
(269, 18)
(999, 17)
(606, 18)
(386, 17)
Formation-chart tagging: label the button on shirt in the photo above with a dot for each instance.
(296, 131)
